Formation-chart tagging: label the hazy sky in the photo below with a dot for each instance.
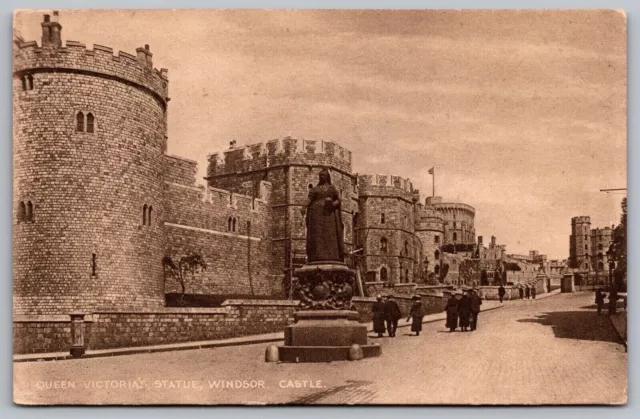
(523, 113)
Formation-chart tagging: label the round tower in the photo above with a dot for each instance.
(459, 221)
(430, 231)
(89, 140)
(580, 246)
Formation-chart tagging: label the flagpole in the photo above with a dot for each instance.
(433, 182)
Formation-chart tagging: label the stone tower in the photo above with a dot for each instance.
(430, 231)
(89, 139)
(580, 243)
(387, 227)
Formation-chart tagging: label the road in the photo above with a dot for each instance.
(550, 351)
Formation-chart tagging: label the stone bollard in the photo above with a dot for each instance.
(77, 334)
(355, 352)
(271, 354)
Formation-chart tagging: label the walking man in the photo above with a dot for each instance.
(392, 314)
(533, 292)
(501, 293)
(527, 292)
(600, 299)
(476, 302)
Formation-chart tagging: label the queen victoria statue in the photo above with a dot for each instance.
(325, 243)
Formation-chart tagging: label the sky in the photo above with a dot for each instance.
(522, 113)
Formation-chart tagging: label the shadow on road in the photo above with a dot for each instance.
(582, 325)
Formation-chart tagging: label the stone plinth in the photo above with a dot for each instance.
(327, 326)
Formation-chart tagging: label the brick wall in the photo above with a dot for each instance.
(153, 327)
(87, 189)
(238, 261)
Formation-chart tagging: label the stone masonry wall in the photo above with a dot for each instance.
(238, 259)
(86, 247)
(169, 325)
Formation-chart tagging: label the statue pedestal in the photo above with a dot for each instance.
(325, 329)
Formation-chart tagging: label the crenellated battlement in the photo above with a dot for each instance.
(454, 207)
(279, 152)
(386, 185)
(100, 61)
(582, 219)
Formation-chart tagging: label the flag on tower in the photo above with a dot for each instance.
(431, 170)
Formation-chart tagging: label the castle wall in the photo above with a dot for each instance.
(197, 220)
(86, 246)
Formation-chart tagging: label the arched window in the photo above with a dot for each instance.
(436, 254)
(383, 244)
(229, 223)
(406, 248)
(30, 82)
(29, 211)
(149, 215)
(233, 224)
(89, 122)
(436, 239)
(144, 215)
(382, 218)
(23, 79)
(80, 122)
(22, 212)
(436, 269)
(383, 274)
(455, 236)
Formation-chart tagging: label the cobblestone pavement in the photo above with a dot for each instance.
(555, 350)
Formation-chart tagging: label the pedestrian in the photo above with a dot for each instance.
(416, 314)
(392, 314)
(613, 300)
(527, 292)
(378, 316)
(452, 311)
(521, 292)
(501, 292)
(600, 299)
(476, 302)
(464, 311)
(533, 292)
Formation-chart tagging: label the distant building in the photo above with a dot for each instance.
(588, 247)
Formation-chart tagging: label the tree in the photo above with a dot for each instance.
(619, 246)
(187, 266)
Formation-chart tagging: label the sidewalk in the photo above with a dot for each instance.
(243, 340)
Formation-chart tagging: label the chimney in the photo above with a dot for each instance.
(51, 31)
(144, 57)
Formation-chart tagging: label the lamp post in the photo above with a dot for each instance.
(612, 265)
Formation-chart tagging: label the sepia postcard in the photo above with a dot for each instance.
(319, 207)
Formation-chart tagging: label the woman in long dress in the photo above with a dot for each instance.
(416, 314)
(452, 312)
(324, 222)
(378, 316)
(464, 311)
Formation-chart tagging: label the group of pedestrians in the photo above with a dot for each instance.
(387, 313)
(462, 310)
(527, 292)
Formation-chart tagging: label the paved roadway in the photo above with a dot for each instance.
(548, 351)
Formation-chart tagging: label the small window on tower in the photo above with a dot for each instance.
(30, 82)
(80, 122)
(22, 212)
(94, 267)
(436, 239)
(383, 244)
(149, 215)
(382, 218)
(90, 122)
(144, 215)
(229, 223)
(29, 211)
